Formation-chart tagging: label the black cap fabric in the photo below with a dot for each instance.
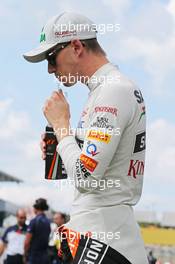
(41, 204)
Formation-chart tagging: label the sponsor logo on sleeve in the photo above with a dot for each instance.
(138, 96)
(102, 122)
(92, 150)
(106, 109)
(140, 142)
(136, 167)
(81, 170)
(99, 136)
(88, 162)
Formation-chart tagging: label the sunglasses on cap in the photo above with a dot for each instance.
(51, 56)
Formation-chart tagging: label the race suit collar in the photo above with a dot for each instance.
(98, 77)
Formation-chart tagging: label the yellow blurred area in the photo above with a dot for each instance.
(158, 236)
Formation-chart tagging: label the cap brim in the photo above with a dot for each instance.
(38, 54)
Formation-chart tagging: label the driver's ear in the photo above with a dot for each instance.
(77, 46)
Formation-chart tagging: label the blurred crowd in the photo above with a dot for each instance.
(35, 243)
(38, 241)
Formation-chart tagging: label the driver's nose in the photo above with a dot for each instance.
(51, 69)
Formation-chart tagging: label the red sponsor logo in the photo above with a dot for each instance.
(106, 109)
(66, 33)
(50, 141)
(89, 163)
(136, 167)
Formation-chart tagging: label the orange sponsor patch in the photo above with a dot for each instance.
(88, 162)
(72, 237)
(99, 136)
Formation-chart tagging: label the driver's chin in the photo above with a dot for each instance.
(67, 80)
(69, 84)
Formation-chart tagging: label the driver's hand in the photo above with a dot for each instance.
(43, 146)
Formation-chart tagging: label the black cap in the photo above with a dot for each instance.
(41, 204)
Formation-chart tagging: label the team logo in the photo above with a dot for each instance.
(88, 162)
(99, 136)
(92, 149)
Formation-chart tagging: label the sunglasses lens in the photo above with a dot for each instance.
(52, 58)
(52, 61)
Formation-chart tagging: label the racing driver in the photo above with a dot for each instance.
(102, 228)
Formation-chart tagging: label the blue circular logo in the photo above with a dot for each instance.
(91, 149)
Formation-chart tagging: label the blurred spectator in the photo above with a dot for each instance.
(13, 240)
(37, 238)
(59, 219)
(54, 245)
(151, 258)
